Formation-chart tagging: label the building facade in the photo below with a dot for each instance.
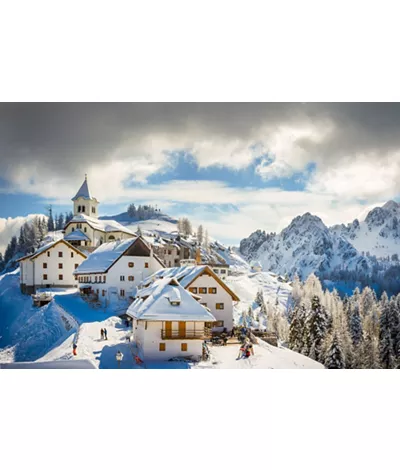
(168, 322)
(52, 266)
(115, 269)
(85, 229)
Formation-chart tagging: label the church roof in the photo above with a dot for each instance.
(77, 235)
(83, 191)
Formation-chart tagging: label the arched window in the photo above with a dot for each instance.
(79, 208)
(111, 237)
(83, 208)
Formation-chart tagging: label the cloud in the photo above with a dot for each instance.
(10, 227)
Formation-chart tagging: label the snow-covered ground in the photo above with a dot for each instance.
(265, 357)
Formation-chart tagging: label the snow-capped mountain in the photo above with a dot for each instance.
(307, 245)
(378, 235)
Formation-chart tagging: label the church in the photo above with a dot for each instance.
(85, 230)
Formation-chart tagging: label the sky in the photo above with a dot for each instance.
(233, 167)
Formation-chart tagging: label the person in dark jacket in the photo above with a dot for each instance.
(105, 334)
(74, 349)
(102, 333)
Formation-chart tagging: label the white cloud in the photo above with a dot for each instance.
(10, 227)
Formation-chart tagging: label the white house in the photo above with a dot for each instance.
(51, 266)
(85, 228)
(168, 321)
(256, 266)
(204, 282)
(115, 269)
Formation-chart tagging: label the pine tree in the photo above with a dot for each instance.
(200, 234)
(50, 220)
(386, 346)
(259, 300)
(317, 327)
(335, 357)
(356, 331)
(60, 221)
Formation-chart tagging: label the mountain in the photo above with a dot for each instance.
(307, 245)
(378, 235)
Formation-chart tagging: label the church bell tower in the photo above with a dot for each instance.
(84, 203)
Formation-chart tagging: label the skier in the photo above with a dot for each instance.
(102, 333)
(74, 349)
(105, 334)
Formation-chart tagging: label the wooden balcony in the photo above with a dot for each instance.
(190, 334)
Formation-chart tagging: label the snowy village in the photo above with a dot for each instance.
(95, 292)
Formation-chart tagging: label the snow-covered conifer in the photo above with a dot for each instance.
(334, 356)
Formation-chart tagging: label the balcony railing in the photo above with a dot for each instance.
(190, 334)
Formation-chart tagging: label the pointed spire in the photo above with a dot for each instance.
(83, 191)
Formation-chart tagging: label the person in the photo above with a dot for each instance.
(251, 349)
(74, 349)
(242, 351)
(102, 333)
(105, 334)
(247, 352)
(233, 332)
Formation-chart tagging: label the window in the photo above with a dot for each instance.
(184, 347)
(60, 277)
(73, 230)
(223, 271)
(104, 278)
(44, 265)
(93, 210)
(162, 347)
(44, 277)
(79, 208)
(60, 254)
(97, 291)
(122, 293)
(219, 323)
(72, 254)
(169, 252)
(83, 208)
(131, 265)
(76, 265)
(203, 290)
(122, 278)
(95, 279)
(146, 265)
(48, 254)
(219, 306)
(60, 265)
(212, 290)
(103, 293)
(85, 229)
(193, 290)
(131, 278)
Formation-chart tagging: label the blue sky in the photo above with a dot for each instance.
(233, 167)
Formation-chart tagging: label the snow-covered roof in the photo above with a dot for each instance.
(47, 246)
(167, 300)
(186, 275)
(104, 256)
(83, 191)
(102, 225)
(77, 235)
(256, 264)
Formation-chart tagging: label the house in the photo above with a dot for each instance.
(221, 270)
(204, 282)
(256, 266)
(85, 229)
(114, 269)
(52, 265)
(168, 321)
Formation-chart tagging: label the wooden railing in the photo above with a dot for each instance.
(190, 334)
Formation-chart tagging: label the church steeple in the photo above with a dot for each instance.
(84, 203)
